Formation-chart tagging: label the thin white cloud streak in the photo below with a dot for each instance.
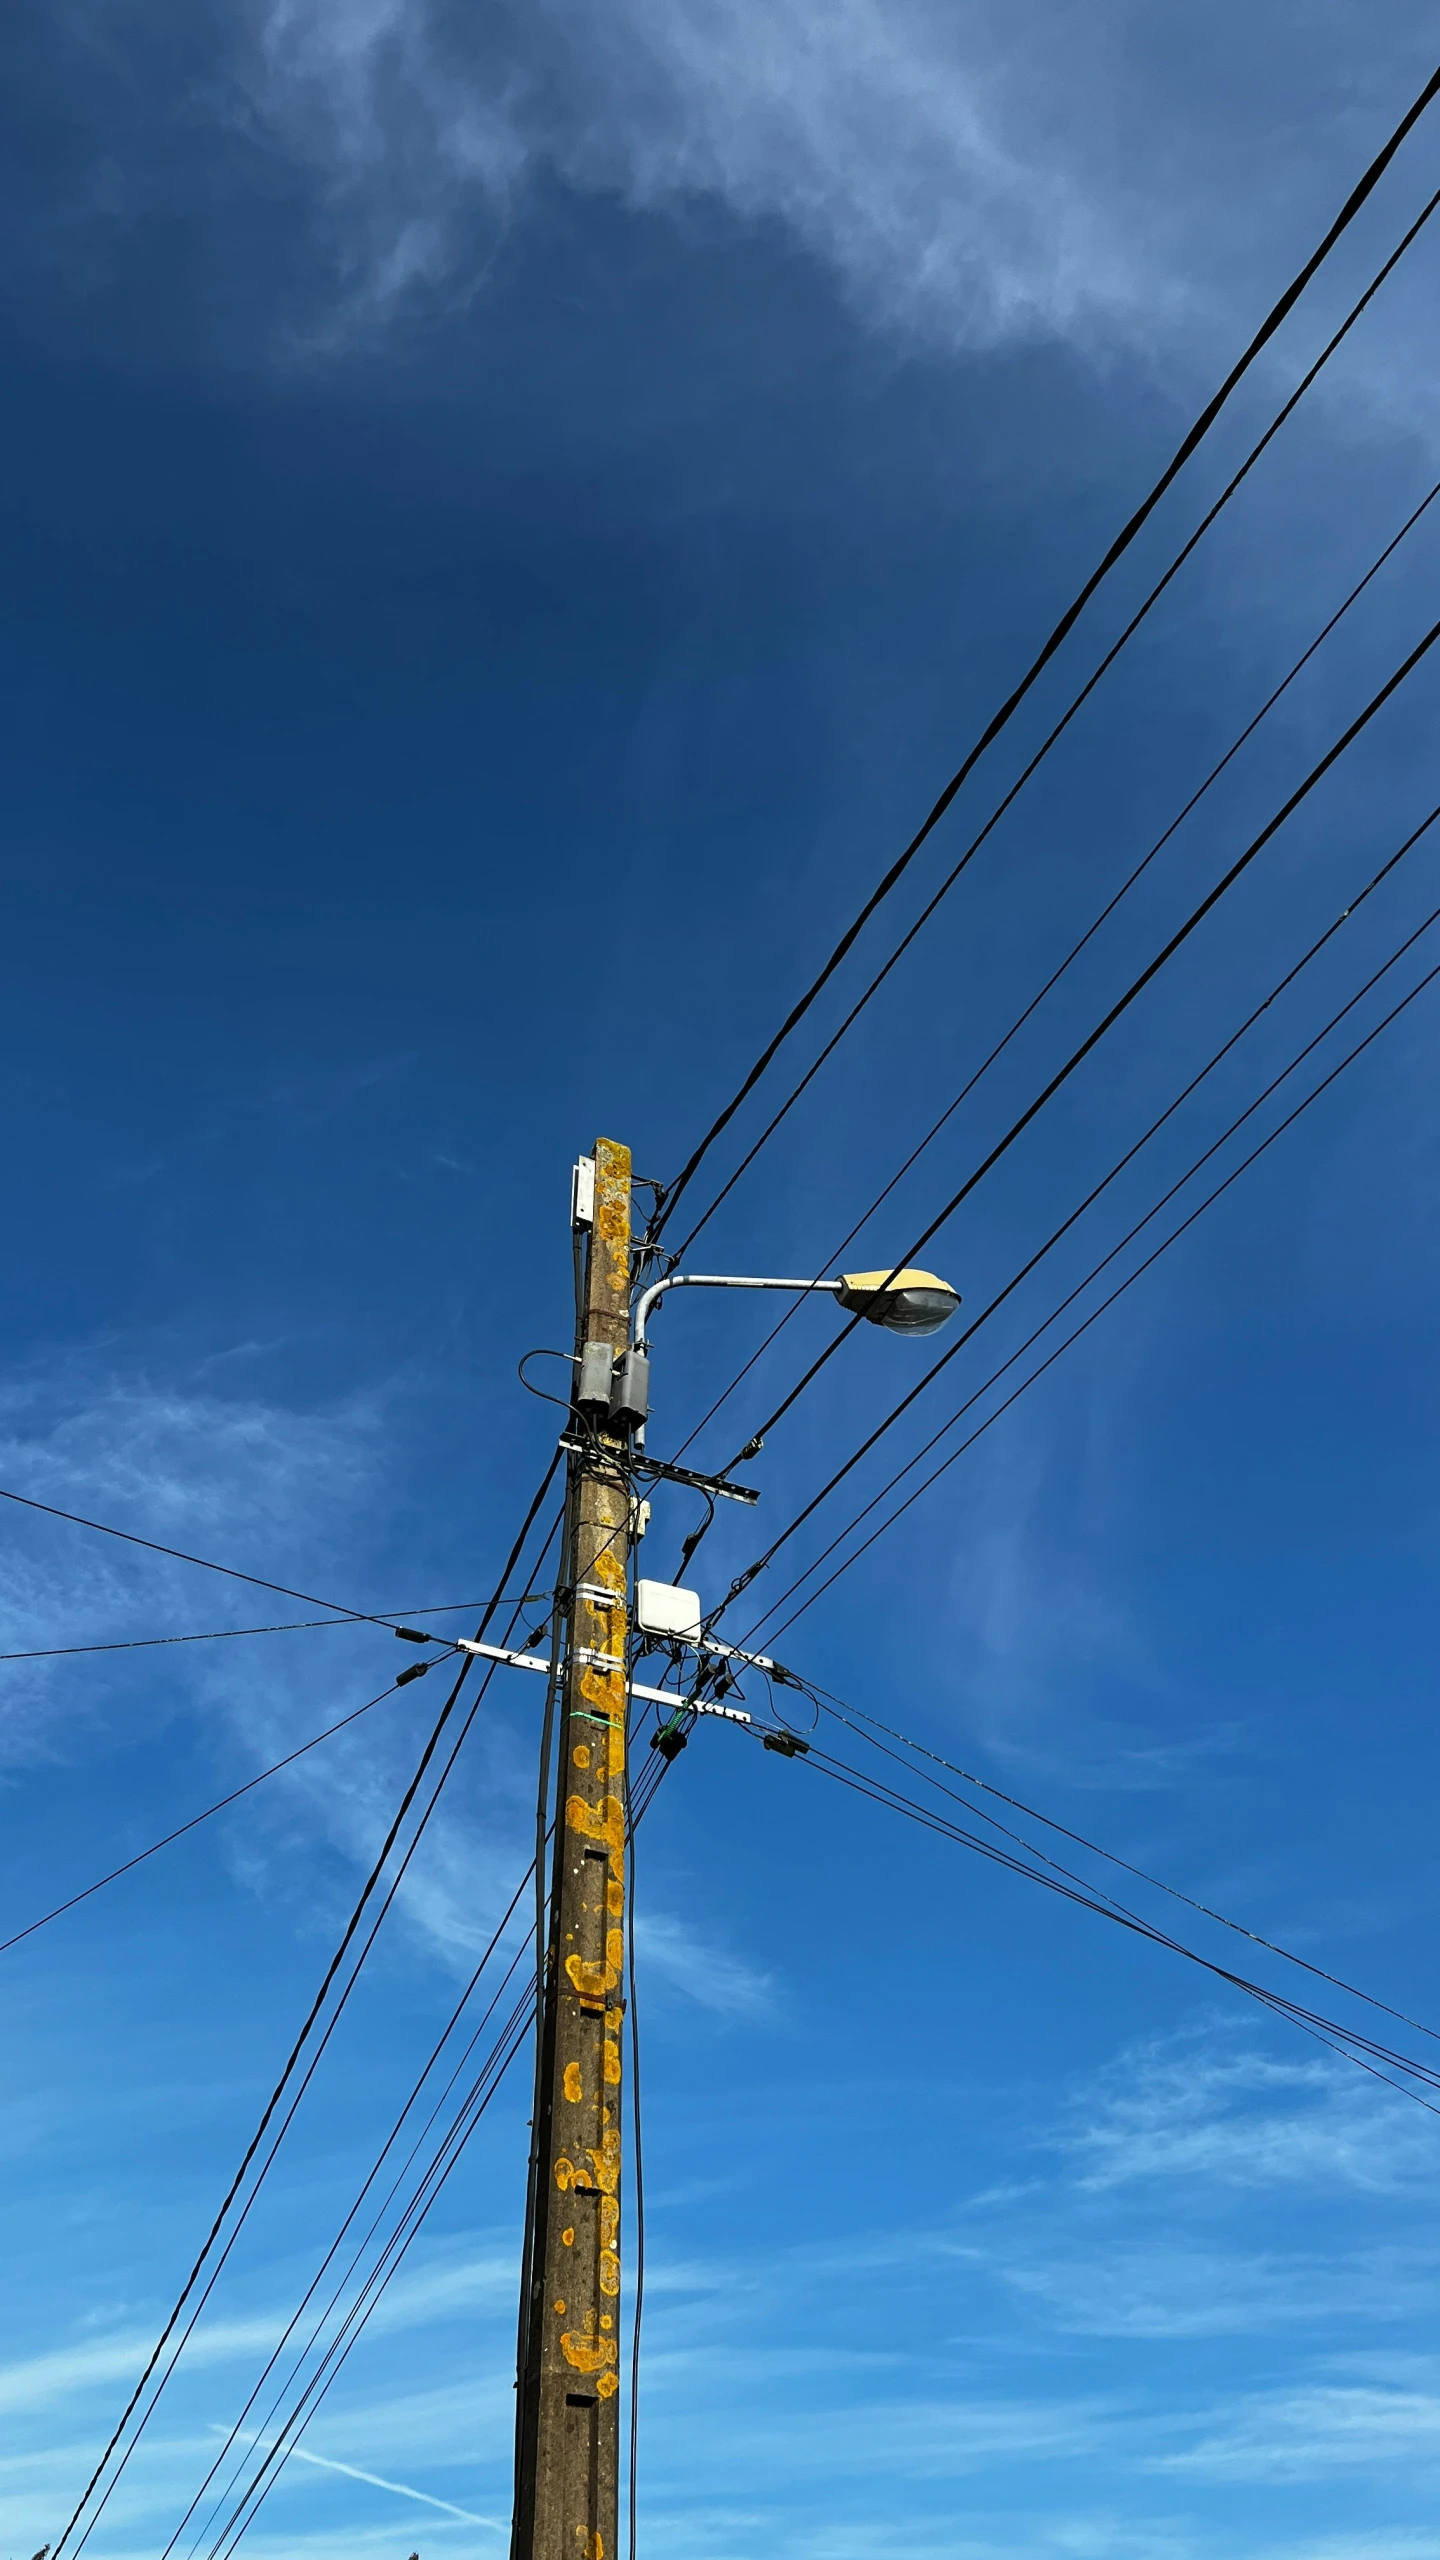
(1166, 2291)
(399, 2488)
(42, 2381)
(704, 1971)
(464, 2283)
(1311, 2434)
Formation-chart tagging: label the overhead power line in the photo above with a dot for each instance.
(1071, 956)
(1096, 1312)
(282, 1627)
(291, 2065)
(1366, 2052)
(125, 1868)
(1058, 1233)
(848, 1715)
(1117, 1010)
(1076, 703)
(1189, 443)
(179, 1555)
(387, 2147)
(502, 2052)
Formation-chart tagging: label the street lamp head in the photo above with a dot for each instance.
(903, 1301)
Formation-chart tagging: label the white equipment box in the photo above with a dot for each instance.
(663, 1609)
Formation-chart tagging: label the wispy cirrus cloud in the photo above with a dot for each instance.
(1313, 2433)
(302, 1496)
(689, 1961)
(995, 177)
(1165, 2290)
(1208, 2105)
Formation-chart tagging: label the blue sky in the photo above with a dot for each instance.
(509, 520)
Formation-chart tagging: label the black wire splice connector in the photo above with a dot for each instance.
(669, 1743)
(412, 1635)
(789, 1745)
(414, 1671)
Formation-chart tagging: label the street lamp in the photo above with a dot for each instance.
(903, 1301)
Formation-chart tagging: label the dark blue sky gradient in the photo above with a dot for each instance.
(441, 724)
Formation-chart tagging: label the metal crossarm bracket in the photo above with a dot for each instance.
(653, 1697)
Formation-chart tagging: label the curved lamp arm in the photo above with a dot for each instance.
(639, 1338)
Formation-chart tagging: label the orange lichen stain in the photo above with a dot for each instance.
(581, 1755)
(604, 1694)
(568, 2238)
(609, 2222)
(592, 1981)
(608, 1573)
(608, 2384)
(604, 1822)
(573, 2090)
(610, 2061)
(584, 2350)
(559, 2306)
(564, 2173)
(609, 2272)
(605, 2320)
(607, 2161)
(614, 1898)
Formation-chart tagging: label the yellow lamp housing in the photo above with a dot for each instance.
(903, 1301)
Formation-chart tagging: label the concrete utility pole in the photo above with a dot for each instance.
(568, 2433)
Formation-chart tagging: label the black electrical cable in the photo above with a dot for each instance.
(1106, 1303)
(644, 1796)
(391, 2139)
(1057, 1233)
(794, 1305)
(542, 1833)
(287, 2120)
(503, 2052)
(1091, 1041)
(285, 1627)
(318, 2054)
(857, 1719)
(197, 1818)
(1127, 534)
(357, 1967)
(1062, 724)
(297, 2049)
(378, 2218)
(179, 1555)
(1349, 2042)
(539, 1863)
